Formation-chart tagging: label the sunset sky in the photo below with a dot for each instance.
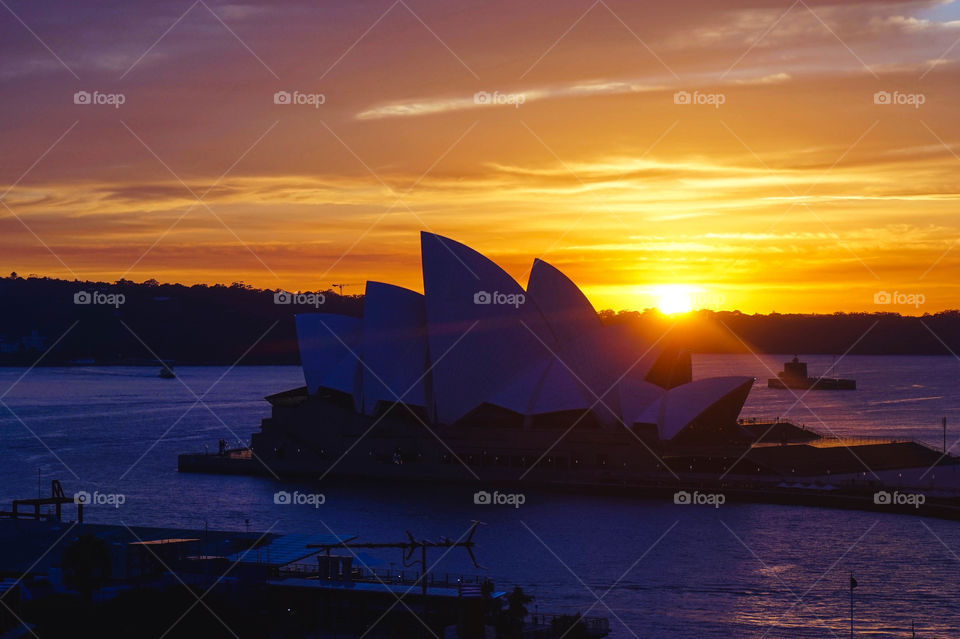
(799, 193)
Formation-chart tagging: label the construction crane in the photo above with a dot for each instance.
(340, 287)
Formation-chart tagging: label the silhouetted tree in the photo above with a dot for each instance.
(86, 565)
(517, 602)
(509, 623)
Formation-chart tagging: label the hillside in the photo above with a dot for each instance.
(128, 322)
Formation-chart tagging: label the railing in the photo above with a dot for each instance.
(244, 452)
(386, 576)
(864, 483)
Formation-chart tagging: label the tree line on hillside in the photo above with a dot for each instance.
(134, 323)
(708, 331)
(125, 322)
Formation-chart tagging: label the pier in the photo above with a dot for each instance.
(56, 499)
(774, 461)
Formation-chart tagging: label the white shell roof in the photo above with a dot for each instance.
(544, 387)
(636, 398)
(564, 306)
(681, 405)
(328, 347)
(475, 347)
(626, 352)
(450, 351)
(579, 335)
(394, 346)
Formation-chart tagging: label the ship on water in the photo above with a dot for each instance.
(480, 378)
(166, 370)
(794, 375)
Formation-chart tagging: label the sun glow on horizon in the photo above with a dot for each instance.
(673, 298)
(686, 210)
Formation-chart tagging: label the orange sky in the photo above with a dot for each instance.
(799, 193)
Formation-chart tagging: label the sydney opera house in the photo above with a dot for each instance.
(477, 349)
(479, 371)
(480, 378)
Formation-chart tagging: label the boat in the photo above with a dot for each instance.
(166, 370)
(794, 375)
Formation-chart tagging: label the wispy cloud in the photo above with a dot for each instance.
(587, 161)
(510, 99)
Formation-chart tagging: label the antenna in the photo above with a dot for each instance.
(410, 546)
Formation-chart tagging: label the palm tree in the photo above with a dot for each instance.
(510, 621)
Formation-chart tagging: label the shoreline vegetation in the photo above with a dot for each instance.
(130, 323)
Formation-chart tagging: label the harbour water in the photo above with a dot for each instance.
(656, 569)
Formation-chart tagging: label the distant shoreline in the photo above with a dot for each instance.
(297, 364)
(53, 322)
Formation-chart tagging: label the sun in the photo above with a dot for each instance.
(674, 298)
